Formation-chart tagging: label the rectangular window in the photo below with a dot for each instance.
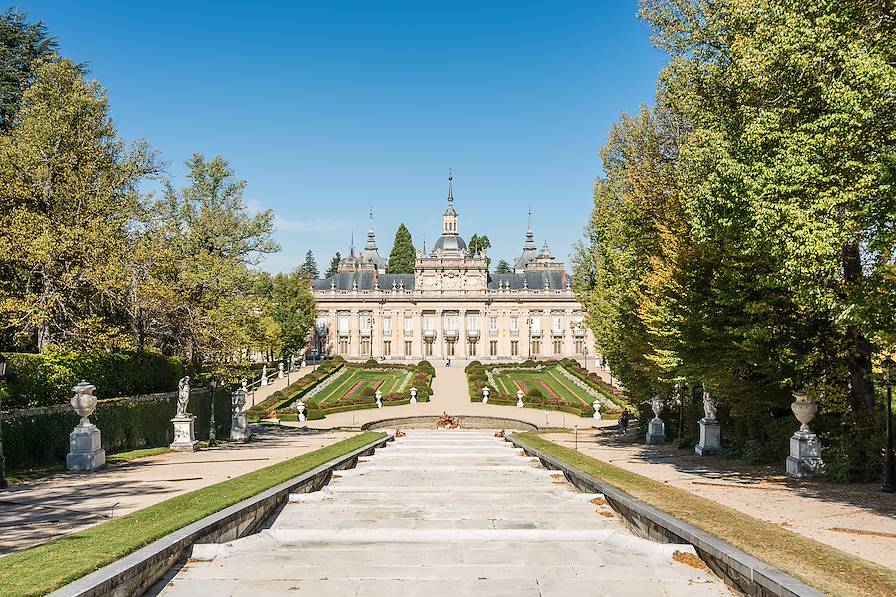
(365, 347)
(428, 347)
(472, 323)
(343, 345)
(387, 348)
(514, 348)
(450, 349)
(514, 324)
(343, 324)
(364, 323)
(471, 348)
(558, 322)
(493, 348)
(451, 323)
(558, 346)
(407, 348)
(536, 324)
(387, 326)
(579, 346)
(536, 348)
(429, 323)
(408, 325)
(493, 325)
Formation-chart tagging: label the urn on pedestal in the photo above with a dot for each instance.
(413, 395)
(519, 399)
(379, 399)
(805, 449)
(596, 406)
(300, 408)
(485, 392)
(656, 429)
(85, 442)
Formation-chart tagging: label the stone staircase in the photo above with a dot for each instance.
(444, 513)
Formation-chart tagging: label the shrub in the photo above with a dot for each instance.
(536, 393)
(371, 363)
(46, 379)
(367, 391)
(473, 365)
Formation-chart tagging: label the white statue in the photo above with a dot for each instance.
(264, 375)
(656, 404)
(238, 400)
(280, 371)
(183, 397)
(709, 406)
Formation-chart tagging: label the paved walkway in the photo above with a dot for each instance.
(36, 512)
(857, 519)
(444, 513)
(450, 394)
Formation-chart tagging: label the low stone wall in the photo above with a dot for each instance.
(466, 422)
(137, 572)
(742, 572)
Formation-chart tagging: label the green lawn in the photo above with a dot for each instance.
(354, 382)
(827, 569)
(45, 568)
(510, 381)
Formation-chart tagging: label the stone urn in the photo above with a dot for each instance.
(485, 395)
(300, 408)
(804, 409)
(413, 395)
(656, 404)
(379, 399)
(596, 406)
(519, 399)
(84, 402)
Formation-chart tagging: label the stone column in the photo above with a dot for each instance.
(184, 432)
(239, 429)
(85, 442)
(710, 442)
(656, 429)
(805, 449)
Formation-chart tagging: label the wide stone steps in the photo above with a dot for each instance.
(450, 512)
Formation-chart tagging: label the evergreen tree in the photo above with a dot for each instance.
(334, 265)
(480, 243)
(403, 255)
(68, 193)
(503, 267)
(309, 268)
(24, 45)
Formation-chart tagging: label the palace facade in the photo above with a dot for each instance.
(451, 306)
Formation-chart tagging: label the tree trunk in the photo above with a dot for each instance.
(858, 356)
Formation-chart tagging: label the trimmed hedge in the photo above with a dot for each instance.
(295, 390)
(47, 379)
(42, 439)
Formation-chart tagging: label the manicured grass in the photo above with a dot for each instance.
(510, 381)
(134, 454)
(827, 569)
(388, 382)
(45, 568)
(23, 475)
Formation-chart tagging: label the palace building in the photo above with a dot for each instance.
(451, 306)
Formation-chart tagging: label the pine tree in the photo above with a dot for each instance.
(334, 265)
(503, 267)
(309, 268)
(403, 255)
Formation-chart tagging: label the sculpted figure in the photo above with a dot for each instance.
(709, 406)
(183, 396)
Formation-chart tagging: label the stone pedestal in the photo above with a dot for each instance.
(805, 455)
(710, 438)
(184, 435)
(656, 431)
(239, 428)
(85, 449)
(300, 408)
(596, 406)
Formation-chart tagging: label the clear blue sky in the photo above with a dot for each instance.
(328, 108)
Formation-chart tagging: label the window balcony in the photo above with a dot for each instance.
(535, 333)
(365, 333)
(579, 332)
(514, 332)
(557, 333)
(429, 333)
(472, 333)
(450, 333)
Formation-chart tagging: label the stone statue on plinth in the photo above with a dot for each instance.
(239, 428)
(710, 442)
(184, 432)
(656, 429)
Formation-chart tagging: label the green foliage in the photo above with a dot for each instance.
(403, 254)
(289, 306)
(334, 265)
(480, 243)
(47, 379)
(503, 268)
(309, 268)
(25, 45)
(43, 439)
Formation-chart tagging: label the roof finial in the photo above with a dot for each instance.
(450, 189)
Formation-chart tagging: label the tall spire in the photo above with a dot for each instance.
(371, 237)
(351, 246)
(450, 189)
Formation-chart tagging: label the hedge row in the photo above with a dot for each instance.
(595, 381)
(294, 391)
(43, 439)
(47, 379)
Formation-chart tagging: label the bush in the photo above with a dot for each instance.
(368, 391)
(42, 439)
(371, 363)
(473, 365)
(47, 379)
(536, 393)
